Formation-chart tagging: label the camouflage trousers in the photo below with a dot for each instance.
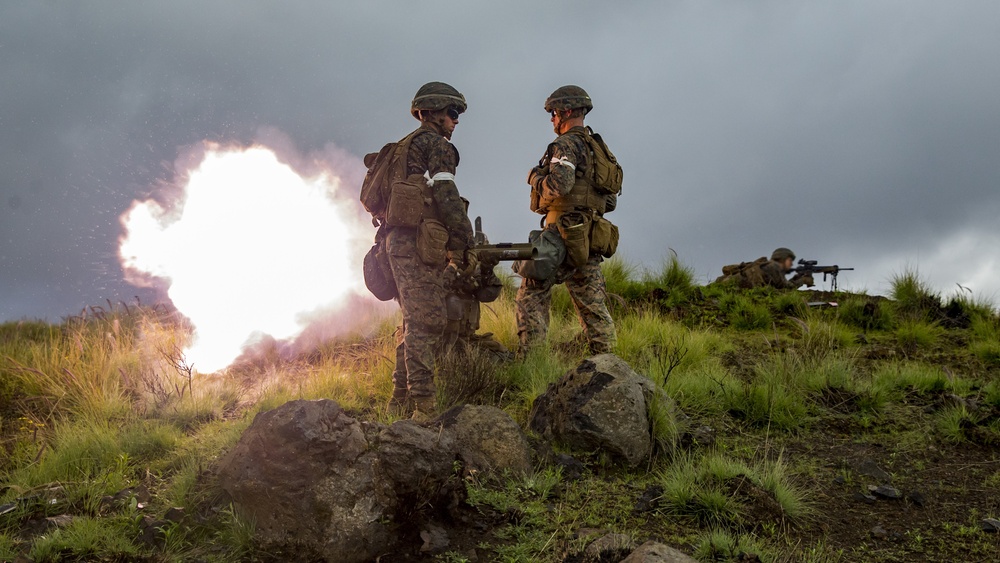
(589, 294)
(422, 300)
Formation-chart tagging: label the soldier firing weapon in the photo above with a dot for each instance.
(810, 267)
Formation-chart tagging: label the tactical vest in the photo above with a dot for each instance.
(411, 199)
(584, 196)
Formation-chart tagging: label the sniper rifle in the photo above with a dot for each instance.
(810, 267)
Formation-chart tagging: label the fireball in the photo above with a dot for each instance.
(249, 248)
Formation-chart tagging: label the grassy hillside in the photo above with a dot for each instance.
(794, 410)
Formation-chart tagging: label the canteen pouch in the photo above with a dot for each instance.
(603, 237)
(378, 273)
(551, 254)
(574, 227)
(432, 242)
(406, 204)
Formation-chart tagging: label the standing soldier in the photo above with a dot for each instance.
(438, 240)
(576, 182)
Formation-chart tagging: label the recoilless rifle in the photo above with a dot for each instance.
(810, 267)
(502, 251)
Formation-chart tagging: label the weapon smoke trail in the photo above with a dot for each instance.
(249, 248)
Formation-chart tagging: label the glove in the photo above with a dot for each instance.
(802, 279)
(462, 263)
(536, 176)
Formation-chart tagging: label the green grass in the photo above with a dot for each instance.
(94, 406)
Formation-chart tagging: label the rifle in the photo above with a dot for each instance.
(810, 267)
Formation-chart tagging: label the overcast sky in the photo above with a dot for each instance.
(863, 133)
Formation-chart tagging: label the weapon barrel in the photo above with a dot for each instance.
(505, 251)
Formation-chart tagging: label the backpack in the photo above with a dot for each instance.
(607, 171)
(744, 274)
(385, 167)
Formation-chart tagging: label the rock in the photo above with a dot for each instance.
(991, 525)
(435, 539)
(879, 533)
(572, 468)
(839, 480)
(587, 533)
(304, 472)
(321, 485)
(650, 500)
(9, 507)
(609, 544)
(865, 498)
(487, 439)
(885, 491)
(655, 552)
(601, 405)
(703, 436)
(917, 498)
(870, 468)
(175, 515)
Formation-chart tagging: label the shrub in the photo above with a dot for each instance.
(913, 297)
(866, 313)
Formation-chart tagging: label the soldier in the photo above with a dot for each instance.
(762, 272)
(419, 256)
(564, 190)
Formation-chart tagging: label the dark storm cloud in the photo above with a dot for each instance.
(856, 132)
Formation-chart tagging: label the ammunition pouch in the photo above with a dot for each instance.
(574, 227)
(536, 198)
(603, 237)
(407, 202)
(378, 273)
(551, 254)
(432, 242)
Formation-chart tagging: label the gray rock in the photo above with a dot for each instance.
(991, 525)
(885, 491)
(879, 533)
(321, 485)
(487, 439)
(608, 544)
(865, 498)
(870, 468)
(655, 552)
(304, 472)
(601, 405)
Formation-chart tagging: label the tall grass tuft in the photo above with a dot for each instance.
(913, 298)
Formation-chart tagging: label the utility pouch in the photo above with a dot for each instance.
(378, 273)
(603, 237)
(574, 227)
(406, 204)
(432, 242)
(536, 199)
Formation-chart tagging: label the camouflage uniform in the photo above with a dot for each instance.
(463, 309)
(570, 160)
(421, 286)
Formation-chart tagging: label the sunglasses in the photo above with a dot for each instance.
(452, 113)
(554, 112)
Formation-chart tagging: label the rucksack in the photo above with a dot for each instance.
(384, 168)
(607, 171)
(744, 274)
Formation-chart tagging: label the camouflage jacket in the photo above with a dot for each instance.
(430, 152)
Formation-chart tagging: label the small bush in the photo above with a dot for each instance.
(744, 314)
(913, 298)
(916, 334)
(866, 313)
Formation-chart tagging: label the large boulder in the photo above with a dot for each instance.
(487, 439)
(321, 485)
(601, 405)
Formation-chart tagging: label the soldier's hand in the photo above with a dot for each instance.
(536, 176)
(808, 280)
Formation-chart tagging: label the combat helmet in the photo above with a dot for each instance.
(781, 254)
(437, 95)
(569, 97)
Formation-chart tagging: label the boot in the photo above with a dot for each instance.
(424, 408)
(400, 405)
